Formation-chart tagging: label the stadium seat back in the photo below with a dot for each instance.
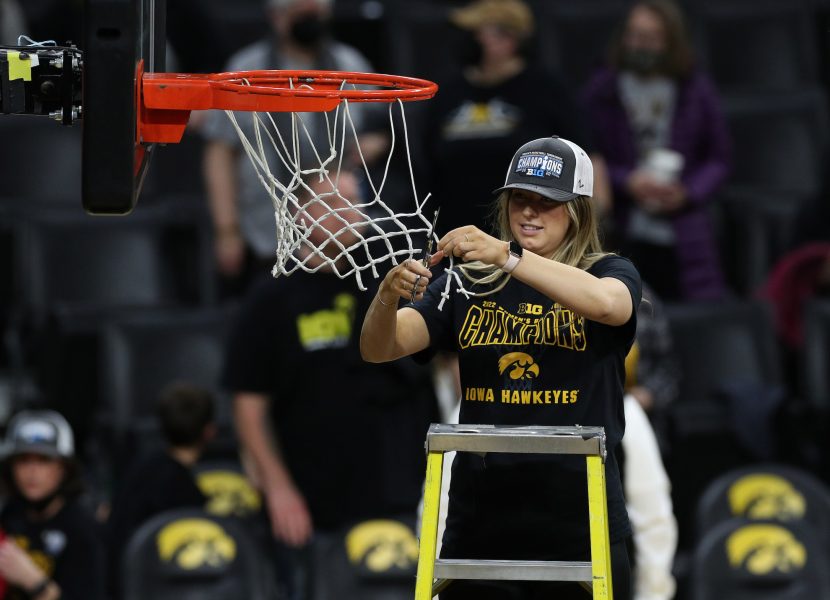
(772, 492)
(759, 560)
(190, 555)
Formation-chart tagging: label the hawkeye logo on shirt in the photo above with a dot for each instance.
(44, 561)
(474, 120)
(330, 328)
(521, 366)
(492, 325)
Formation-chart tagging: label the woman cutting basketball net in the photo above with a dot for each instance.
(541, 341)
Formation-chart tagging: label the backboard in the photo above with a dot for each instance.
(122, 39)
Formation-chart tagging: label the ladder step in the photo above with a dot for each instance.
(513, 570)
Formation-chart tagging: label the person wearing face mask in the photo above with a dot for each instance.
(481, 114)
(658, 122)
(241, 211)
(51, 548)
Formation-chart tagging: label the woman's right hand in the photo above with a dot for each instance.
(402, 279)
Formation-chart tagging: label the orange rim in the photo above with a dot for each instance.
(166, 99)
(326, 84)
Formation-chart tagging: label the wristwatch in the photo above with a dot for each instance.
(514, 255)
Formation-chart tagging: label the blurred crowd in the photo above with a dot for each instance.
(171, 409)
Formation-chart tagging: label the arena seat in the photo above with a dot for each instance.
(41, 162)
(726, 351)
(191, 555)
(421, 42)
(758, 44)
(577, 35)
(756, 230)
(721, 342)
(144, 352)
(774, 492)
(742, 559)
(77, 272)
(815, 357)
(765, 129)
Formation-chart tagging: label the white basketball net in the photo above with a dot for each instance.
(379, 229)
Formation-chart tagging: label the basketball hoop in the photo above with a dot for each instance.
(166, 99)
(350, 245)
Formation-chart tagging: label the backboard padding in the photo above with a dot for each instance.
(119, 36)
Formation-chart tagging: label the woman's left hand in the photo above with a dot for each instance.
(17, 567)
(469, 243)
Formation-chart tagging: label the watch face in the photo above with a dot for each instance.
(516, 249)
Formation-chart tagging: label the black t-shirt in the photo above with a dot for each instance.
(526, 360)
(473, 132)
(352, 433)
(67, 547)
(155, 484)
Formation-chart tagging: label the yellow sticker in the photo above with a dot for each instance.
(19, 68)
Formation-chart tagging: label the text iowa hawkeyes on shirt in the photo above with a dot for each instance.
(492, 325)
(485, 394)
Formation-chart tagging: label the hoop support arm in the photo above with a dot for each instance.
(166, 99)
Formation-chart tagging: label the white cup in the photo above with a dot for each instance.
(664, 165)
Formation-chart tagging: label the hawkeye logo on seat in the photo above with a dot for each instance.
(765, 549)
(766, 496)
(539, 164)
(194, 544)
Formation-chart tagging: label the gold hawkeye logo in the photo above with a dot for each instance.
(382, 545)
(521, 366)
(762, 549)
(766, 496)
(195, 543)
(228, 493)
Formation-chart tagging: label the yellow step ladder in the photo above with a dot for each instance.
(434, 575)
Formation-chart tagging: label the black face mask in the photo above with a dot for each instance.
(309, 31)
(643, 62)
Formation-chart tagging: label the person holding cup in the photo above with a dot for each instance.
(658, 123)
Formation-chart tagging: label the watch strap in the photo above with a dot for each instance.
(514, 255)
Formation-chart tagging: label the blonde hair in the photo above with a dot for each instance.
(580, 248)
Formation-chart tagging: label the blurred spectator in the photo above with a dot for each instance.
(653, 376)
(242, 212)
(51, 548)
(648, 500)
(796, 278)
(658, 122)
(498, 102)
(328, 438)
(163, 480)
(12, 22)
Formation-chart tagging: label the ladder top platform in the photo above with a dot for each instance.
(482, 439)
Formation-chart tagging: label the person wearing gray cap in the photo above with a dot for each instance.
(541, 336)
(51, 548)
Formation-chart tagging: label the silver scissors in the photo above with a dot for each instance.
(427, 252)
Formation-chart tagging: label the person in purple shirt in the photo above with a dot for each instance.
(658, 122)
